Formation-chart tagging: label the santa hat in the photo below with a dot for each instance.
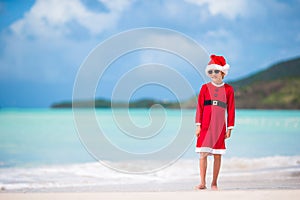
(217, 63)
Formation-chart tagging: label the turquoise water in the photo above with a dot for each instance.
(31, 137)
(40, 149)
(265, 133)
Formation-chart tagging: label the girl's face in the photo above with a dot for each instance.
(216, 76)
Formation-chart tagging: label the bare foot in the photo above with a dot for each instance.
(214, 187)
(200, 187)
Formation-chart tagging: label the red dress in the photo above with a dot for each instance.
(213, 102)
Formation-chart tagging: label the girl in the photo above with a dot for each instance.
(215, 98)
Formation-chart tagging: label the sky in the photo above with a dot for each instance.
(43, 43)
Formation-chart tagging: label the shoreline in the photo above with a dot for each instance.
(236, 174)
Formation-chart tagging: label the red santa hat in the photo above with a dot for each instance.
(218, 63)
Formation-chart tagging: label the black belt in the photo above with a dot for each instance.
(215, 103)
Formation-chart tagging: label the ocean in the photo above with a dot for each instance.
(136, 150)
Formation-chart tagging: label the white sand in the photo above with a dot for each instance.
(224, 195)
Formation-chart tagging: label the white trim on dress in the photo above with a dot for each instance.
(210, 150)
(218, 85)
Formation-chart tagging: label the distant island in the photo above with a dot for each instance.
(104, 103)
(276, 87)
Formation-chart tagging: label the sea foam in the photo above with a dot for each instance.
(97, 175)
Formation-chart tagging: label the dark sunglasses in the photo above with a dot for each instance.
(215, 71)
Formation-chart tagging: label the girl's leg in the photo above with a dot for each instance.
(217, 165)
(203, 167)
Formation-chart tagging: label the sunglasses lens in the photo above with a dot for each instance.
(215, 71)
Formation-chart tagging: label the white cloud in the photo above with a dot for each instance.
(229, 9)
(38, 47)
(43, 33)
(50, 18)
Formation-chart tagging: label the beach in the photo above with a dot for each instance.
(247, 186)
(253, 194)
(250, 175)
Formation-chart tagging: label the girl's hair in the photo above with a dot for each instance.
(223, 74)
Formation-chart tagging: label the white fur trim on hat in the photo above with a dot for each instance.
(224, 68)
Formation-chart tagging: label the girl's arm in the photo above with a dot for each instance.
(230, 108)
(199, 111)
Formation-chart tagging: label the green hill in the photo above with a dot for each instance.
(277, 87)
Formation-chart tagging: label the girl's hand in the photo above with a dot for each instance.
(228, 134)
(198, 129)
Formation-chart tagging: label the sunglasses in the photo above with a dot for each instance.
(215, 71)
